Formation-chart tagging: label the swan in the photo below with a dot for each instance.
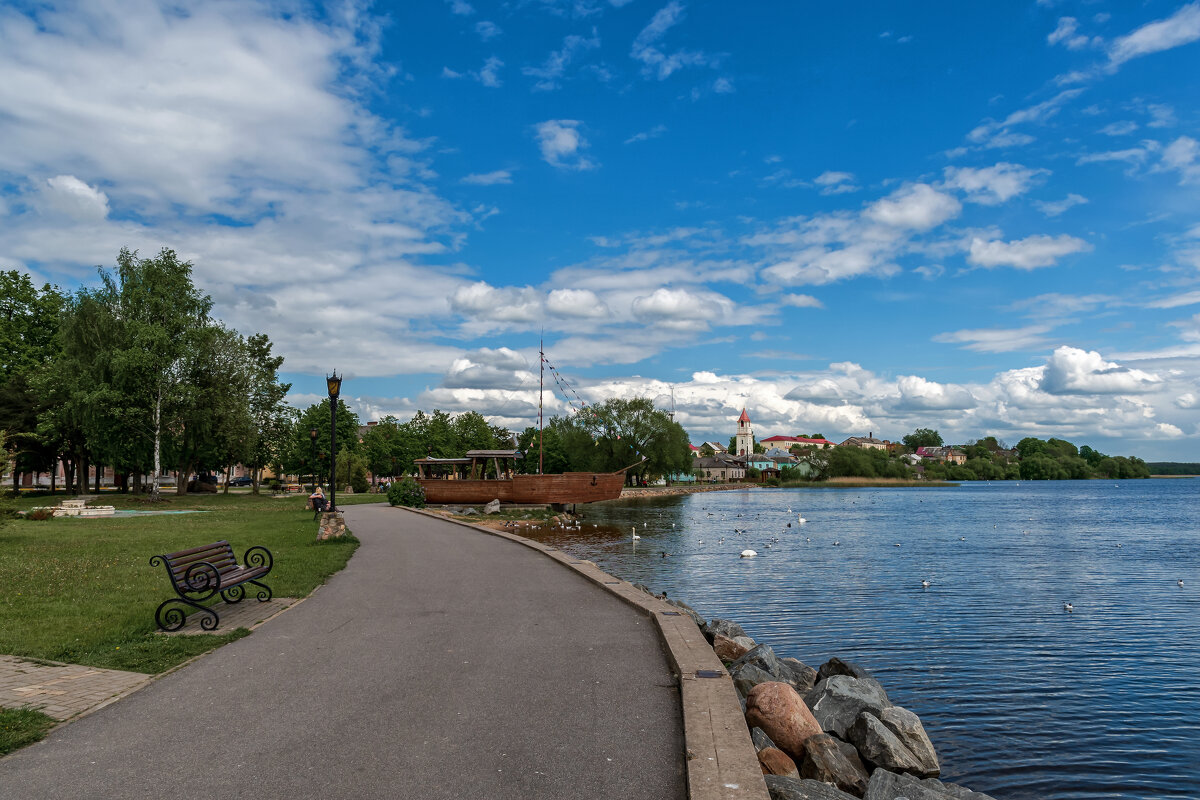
(800, 518)
(749, 554)
(1068, 607)
(635, 535)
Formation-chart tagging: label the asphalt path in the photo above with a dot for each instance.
(441, 663)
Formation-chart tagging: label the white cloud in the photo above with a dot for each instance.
(801, 301)
(1073, 371)
(1187, 400)
(836, 182)
(486, 368)
(682, 309)
(1052, 208)
(991, 133)
(1182, 27)
(555, 66)
(1182, 155)
(76, 199)
(653, 133)
(1121, 128)
(655, 62)
(997, 340)
(917, 393)
(488, 178)
(487, 30)
(482, 301)
(576, 304)
(915, 206)
(1067, 33)
(461, 7)
(993, 185)
(723, 86)
(1029, 253)
(489, 73)
(561, 144)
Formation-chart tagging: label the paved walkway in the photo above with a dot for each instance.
(441, 663)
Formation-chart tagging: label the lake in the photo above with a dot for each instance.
(1021, 698)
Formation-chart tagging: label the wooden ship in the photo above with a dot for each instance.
(487, 475)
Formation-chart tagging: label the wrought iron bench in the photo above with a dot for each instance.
(198, 574)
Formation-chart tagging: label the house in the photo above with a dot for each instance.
(694, 450)
(868, 442)
(950, 455)
(788, 442)
(721, 468)
(716, 447)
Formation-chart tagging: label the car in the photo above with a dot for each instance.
(244, 480)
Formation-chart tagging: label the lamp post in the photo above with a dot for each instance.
(312, 436)
(334, 383)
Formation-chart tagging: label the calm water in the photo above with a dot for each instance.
(1020, 698)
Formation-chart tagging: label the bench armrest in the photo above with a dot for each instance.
(258, 557)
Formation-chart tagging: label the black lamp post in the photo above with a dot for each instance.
(312, 436)
(334, 383)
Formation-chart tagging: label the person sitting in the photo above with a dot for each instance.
(318, 500)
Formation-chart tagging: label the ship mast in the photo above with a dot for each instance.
(541, 380)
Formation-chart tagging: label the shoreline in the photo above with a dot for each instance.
(637, 492)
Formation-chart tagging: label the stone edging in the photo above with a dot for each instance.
(721, 760)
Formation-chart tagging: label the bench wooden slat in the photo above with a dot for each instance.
(202, 561)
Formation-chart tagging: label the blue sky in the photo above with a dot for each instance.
(848, 218)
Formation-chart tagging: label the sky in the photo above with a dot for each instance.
(848, 218)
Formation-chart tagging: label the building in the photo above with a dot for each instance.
(716, 447)
(788, 442)
(745, 435)
(949, 455)
(868, 442)
(722, 468)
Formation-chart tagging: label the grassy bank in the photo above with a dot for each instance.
(83, 591)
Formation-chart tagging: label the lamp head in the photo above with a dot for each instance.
(335, 385)
(312, 434)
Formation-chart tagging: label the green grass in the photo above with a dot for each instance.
(19, 727)
(83, 591)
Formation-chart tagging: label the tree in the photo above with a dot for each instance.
(923, 437)
(1030, 446)
(270, 415)
(625, 431)
(298, 458)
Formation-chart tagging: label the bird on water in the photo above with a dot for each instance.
(1068, 607)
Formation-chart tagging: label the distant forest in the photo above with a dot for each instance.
(1173, 468)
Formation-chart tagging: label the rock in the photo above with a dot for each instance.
(781, 787)
(723, 627)
(747, 676)
(760, 739)
(825, 761)
(691, 612)
(727, 649)
(776, 762)
(882, 748)
(851, 755)
(745, 641)
(836, 666)
(469, 512)
(778, 709)
(763, 657)
(885, 785)
(804, 677)
(492, 507)
(909, 730)
(837, 701)
(643, 587)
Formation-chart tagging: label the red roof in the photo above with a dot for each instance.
(693, 446)
(744, 417)
(796, 439)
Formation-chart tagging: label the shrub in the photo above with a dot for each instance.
(407, 493)
(772, 481)
(358, 479)
(40, 514)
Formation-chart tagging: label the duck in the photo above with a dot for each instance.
(749, 553)
(925, 584)
(1068, 607)
(1180, 582)
(836, 543)
(665, 554)
(962, 538)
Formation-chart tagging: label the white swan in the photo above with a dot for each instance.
(635, 536)
(749, 554)
(800, 518)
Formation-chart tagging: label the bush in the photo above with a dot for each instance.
(358, 479)
(772, 481)
(40, 514)
(406, 493)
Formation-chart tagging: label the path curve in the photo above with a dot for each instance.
(441, 663)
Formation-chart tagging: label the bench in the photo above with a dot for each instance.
(200, 573)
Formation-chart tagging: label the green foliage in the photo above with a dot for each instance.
(406, 492)
(1167, 467)
(863, 463)
(772, 482)
(358, 478)
(923, 437)
(22, 726)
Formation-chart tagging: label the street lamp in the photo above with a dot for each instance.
(312, 436)
(334, 383)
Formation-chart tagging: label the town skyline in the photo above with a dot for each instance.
(980, 220)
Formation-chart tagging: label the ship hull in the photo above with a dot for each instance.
(566, 488)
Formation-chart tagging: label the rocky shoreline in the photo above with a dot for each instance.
(829, 733)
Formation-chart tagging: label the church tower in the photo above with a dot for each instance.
(745, 435)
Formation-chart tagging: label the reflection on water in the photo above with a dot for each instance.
(1021, 699)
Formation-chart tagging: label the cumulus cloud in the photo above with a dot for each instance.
(576, 303)
(489, 73)
(917, 393)
(801, 301)
(1073, 371)
(562, 144)
(917, 206)
(487, 368)
(993, 185)
(76, 199)
(681, 308)
(1028, 253)
(482, 301)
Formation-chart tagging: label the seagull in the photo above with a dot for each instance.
(1068, 607)
(749, 554)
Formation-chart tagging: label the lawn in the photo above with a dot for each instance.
(83, 590)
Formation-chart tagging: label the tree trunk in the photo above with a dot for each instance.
(99, 470)
(81, 476)
(228, 475)
(53, 477)
(157, 443)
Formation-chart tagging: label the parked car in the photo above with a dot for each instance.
(244, 480)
